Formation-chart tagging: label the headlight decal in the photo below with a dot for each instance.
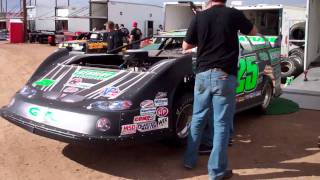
(110, 105)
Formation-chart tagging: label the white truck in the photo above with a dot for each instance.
(271, 21)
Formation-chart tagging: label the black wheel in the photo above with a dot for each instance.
(267, 94)
(297, 32)
(182, 117)
(299, 53)
(290, 67)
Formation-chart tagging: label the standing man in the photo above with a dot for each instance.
(125, 33)
(215, 33)
(135, 35)
(114, 38)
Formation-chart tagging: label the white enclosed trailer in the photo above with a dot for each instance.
(148, 17)
(276, 20)
(312, 33)
(287, 22)
(271, 20)
(57, 15)
(178, 15)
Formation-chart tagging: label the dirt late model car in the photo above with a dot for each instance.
(139, 95)
(93, 42)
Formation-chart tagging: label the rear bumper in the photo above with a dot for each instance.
(58, 134)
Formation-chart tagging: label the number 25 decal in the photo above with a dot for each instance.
(248, 74)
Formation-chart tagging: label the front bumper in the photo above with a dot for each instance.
(58, 134)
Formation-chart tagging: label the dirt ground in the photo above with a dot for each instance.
(266, 147)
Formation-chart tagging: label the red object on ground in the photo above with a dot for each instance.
(16, 31)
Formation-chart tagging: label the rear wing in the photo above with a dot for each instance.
(251, 43)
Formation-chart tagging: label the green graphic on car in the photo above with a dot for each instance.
(94, 74)
(248, 74)
(44, 82)
(41, 114)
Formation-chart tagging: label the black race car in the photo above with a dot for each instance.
(139, 95)
(93, 42)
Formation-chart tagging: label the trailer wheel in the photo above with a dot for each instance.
(182, 117)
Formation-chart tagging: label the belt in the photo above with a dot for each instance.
(217, 69)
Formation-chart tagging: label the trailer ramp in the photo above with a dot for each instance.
(305, 93)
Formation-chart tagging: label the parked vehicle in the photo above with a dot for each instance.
(144, 94)
(93, 42)
(4, 35)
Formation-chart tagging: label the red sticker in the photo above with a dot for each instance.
(128, 129)
(141, 119)
(162, 111)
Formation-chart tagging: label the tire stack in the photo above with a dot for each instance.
(293, 65)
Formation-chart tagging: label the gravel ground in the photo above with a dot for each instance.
(266, 147)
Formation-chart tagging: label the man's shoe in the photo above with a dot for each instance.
(228, 174)
(231, 141)
(187, 167)
(205, 149)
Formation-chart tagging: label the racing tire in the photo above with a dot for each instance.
(290, 67)
(182, 118)
(298, 32)
(267, 94)
(299, 52)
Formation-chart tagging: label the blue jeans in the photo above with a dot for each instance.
(214, 97)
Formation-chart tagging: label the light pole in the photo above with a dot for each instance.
(25, 21)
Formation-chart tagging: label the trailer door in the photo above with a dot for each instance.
(179, 15)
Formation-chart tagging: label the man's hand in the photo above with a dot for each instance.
(189, 51)
(186, 46)
(253, 32)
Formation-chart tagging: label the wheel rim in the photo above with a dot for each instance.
(286, 66)
(184, 121)
(267, 96)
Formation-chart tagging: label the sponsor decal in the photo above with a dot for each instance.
(71, 90)
(275, 55)
(263, 56)
(41, 114)
(81, 85)
(162, 111)
(149, 126)
(163, 123)
(160, 95)
(63, 95)
(259, 93)
(253, 95)
(111, 92)
(146, 118)
(241, 99)
(147, 104)
(94, 74)
(44, 82)
(75, 81)
(128, 129)
(148, 111)
(161, 102)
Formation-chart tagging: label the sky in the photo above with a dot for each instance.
(15, 3)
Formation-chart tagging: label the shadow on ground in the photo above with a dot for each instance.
(266, 147)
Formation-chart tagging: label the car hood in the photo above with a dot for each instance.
(76, 83)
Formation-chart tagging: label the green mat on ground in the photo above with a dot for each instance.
(282, 106)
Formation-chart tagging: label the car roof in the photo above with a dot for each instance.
(177, 33)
